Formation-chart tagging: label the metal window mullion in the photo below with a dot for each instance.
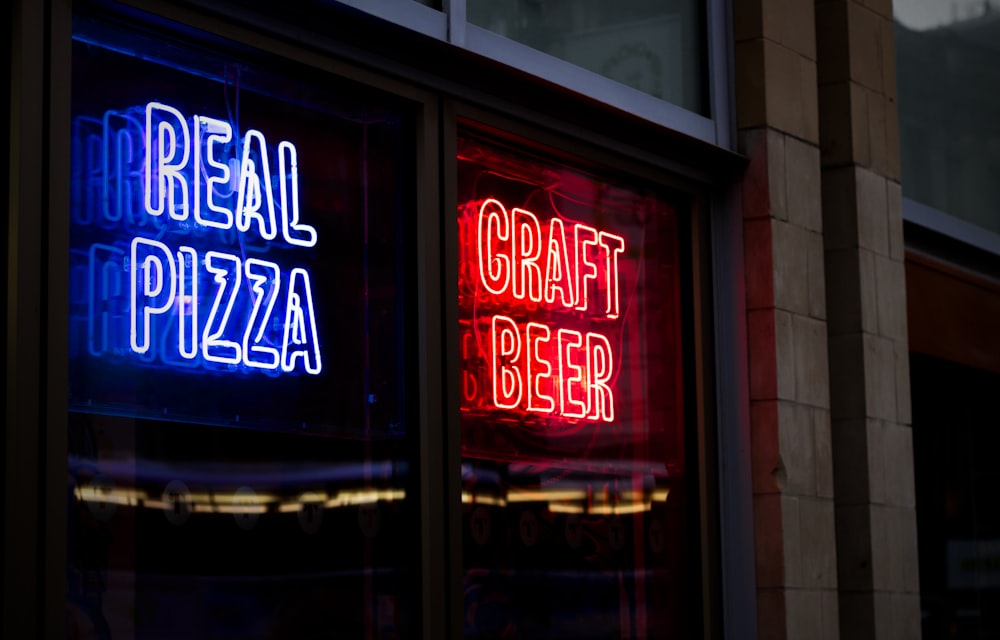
(739, 595)
(56, 290)
(457, 20)
(433, 461)
(719, 34)
(455, 595)
(23, 292)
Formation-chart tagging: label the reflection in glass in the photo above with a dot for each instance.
(956, 470)
(194, 531)
(239, 448)
(948, 71)
(574, 469)
(655, 46)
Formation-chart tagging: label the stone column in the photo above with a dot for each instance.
(866, 302)
(793, 487)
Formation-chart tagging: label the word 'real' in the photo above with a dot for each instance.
(185, 166)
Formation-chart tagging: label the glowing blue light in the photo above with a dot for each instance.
(266, 279)
(187, 304)
(300, 326)
(176, 204)
(228, 276)
(255, 188)
(148, 295)
(104, 289)
(288, 165)
(168, 150)
(217, 184)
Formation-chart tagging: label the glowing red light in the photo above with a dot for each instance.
(509, 247)
(529, 270)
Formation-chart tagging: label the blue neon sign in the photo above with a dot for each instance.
(200, 248)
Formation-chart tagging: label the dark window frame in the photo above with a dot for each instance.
(37, 442)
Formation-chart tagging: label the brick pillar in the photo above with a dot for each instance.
(866, 299)
(778, 121)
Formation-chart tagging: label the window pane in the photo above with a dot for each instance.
(948, 71)
(239, 441)
(956, 471)
(574, 470)
(655, 46)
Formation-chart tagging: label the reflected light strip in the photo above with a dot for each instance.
(207, 502)
(619, 509)
(313, 496)
(558, 495)
(559, 500)
(309, 497)
(241, 509)
(129, 497)
(479, 498)
(572, 501)
(259, 498)
(558, 507)
(364, 496)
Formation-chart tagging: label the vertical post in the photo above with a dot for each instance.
(455, 11)
(792, 469)
(23, 468)
(54, 354)
(869, 364)
(434, 462)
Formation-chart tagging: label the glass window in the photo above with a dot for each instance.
(577, 519)
(240, 447)
(948, 71)
(655, 46)
(958, 525)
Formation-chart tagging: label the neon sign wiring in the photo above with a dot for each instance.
(184, 190)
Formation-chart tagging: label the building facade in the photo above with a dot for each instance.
(951, 280)
(539, 319)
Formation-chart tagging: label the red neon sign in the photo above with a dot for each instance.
(512, 261)
(569, 271)
(571, 353)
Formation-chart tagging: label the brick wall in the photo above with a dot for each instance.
(835, 532)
